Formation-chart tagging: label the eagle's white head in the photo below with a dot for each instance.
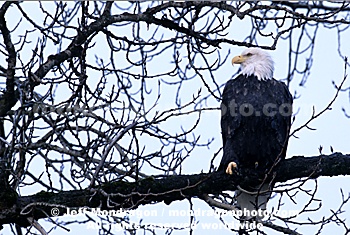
(255, 61)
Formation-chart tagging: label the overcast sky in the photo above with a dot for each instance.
(332, 129)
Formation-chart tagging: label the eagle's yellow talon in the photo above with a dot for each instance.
(231, 166)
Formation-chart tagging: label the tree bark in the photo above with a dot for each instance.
(129, 195)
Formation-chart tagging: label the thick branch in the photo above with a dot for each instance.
(167, 189)
(8, 99)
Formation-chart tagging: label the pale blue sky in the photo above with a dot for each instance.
(332, 127)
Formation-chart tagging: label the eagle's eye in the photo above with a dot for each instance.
(249, 54)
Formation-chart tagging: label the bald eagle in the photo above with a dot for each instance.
(255, 122)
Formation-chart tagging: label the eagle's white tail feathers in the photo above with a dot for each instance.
(249, 202)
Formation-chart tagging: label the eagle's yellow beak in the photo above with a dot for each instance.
(238, 59)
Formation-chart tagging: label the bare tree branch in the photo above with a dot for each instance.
(168, 189)
(107, 104)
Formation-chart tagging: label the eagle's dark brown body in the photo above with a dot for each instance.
(255, 122)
